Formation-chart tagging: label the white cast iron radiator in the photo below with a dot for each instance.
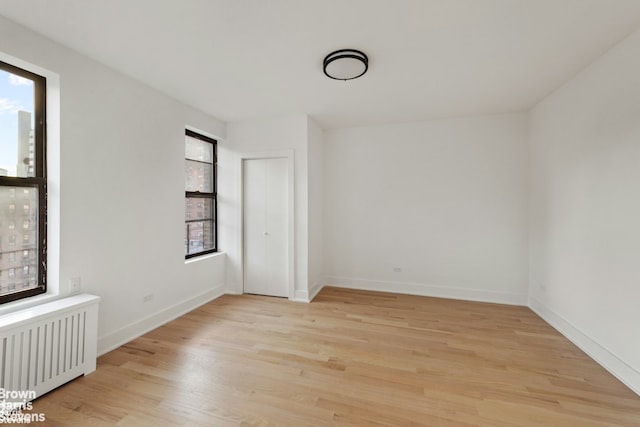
(45, 346)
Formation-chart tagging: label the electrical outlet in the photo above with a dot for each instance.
(74, 285)
(147, 298)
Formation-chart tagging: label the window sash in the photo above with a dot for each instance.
(39, 112)
(40, 184)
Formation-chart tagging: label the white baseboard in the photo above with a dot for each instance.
(124, 335)
(428, 290)
(308, 296)
(315, 289)
(612, 363)
(301, 296)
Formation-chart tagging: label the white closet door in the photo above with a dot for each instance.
(254, 244)
(265, 222)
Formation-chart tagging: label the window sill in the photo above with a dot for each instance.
(203, 257)
(22, 304)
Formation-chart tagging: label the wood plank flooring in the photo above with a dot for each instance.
(350, 358)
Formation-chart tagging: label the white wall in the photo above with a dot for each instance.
(445, 201)
(263, 136)
(316, 207)
(121, 191)
(585, 209)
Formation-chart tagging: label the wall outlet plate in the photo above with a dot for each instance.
(75, 285)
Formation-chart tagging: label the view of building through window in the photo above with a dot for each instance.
(17, 145)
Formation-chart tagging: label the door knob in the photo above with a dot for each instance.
(265, 233)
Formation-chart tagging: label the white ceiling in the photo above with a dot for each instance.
(247, 59)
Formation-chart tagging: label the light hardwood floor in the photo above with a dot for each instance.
(350, 358)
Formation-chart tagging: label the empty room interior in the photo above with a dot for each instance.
(320, 213)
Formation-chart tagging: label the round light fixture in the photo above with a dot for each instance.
(345, 64)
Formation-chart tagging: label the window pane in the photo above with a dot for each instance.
(18, 245)
(198, 208)
(199, 236)
(17, 143)
(199, 176)
(198, 150)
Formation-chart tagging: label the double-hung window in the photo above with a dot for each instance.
(200, 195)
(23, 187)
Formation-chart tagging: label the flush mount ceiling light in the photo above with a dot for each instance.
(345, 64)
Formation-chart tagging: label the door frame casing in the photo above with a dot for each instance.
(260, 155)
